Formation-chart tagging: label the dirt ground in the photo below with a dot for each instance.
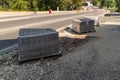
(90, 56)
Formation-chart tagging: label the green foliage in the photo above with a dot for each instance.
(95, 2)
(5, 4)
(64, 4)
(34, 5)
(77, 4)
(19, 5)
(118, 5)
(107, 3)
(102, 3)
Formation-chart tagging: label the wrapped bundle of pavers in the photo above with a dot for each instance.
(83, 25)
(37, 43)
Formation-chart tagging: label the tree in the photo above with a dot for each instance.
(77, 4)
(107, 3)
(102, 3)
(19, 5)
(41, 5)
(95, 2)
(118, 5)
(48, 4)
(64, 4)
(5, 4)
(33, 5)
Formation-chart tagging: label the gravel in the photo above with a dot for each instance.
(96, 57)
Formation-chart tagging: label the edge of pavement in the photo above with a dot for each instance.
(24, 13)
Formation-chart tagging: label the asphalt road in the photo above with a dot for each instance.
(10, 28)
(32, 19)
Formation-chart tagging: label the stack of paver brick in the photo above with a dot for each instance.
(37, 43)
(82, 25)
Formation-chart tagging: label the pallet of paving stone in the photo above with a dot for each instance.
(37, 43)
(83, 25)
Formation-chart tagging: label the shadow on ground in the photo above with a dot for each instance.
(7, 43)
